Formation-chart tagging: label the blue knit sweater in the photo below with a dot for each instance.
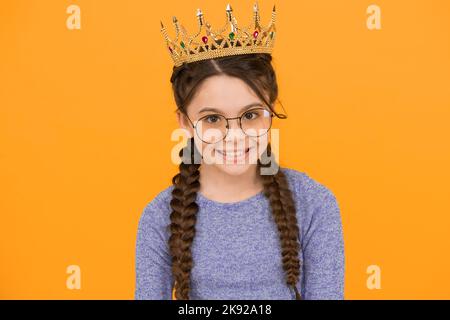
(236, 249)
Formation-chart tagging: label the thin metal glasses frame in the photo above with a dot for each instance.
(194, 126)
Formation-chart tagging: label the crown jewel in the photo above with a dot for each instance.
(231, 39)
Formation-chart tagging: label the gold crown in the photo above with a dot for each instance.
(227, 41)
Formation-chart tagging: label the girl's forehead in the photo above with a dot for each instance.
(223, 93)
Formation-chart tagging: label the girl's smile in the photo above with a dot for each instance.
(234, 156)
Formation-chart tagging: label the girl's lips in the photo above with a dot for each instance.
(233, 153)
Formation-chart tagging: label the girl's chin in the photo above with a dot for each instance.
(234, 169)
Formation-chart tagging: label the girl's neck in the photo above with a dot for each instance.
(222, 187)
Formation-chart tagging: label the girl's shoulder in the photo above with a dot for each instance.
(307, 189)
(317, 209)
(158, 208)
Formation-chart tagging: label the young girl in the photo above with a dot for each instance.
(225, 228)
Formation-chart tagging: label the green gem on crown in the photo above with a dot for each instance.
(231, 35)
(182, 44)
(271, 34)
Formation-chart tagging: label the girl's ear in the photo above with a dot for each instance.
(181, 120)
(184, 123)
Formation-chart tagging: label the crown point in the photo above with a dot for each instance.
(162, 26)
(174, 19)
(199, 12)
(255, 7)
(229, 8)
(273, 8)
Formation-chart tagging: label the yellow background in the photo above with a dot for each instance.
(86, 117)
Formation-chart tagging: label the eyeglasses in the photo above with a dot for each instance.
(213, 128)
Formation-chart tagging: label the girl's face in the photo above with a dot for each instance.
(230, 97)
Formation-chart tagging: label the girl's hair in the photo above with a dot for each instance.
(257, 71)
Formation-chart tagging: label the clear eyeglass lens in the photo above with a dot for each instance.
(256, 122)
(211, 128)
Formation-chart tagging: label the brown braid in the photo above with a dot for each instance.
(183, 219)
(184, 216)
(276, 190)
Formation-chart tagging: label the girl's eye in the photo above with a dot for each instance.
(252, 115)
(212, 118)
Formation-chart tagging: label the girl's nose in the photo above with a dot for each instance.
(234, 130)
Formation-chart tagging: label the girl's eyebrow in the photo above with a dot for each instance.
(254, 104)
